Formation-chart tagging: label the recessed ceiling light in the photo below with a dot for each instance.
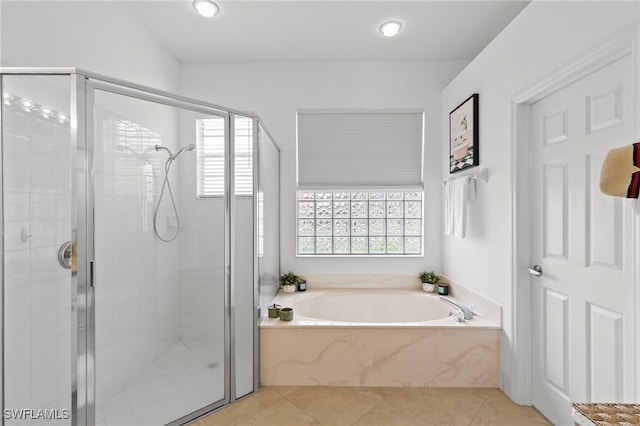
(390, 28)
(206, 8)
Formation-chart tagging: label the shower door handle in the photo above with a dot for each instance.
(64, 255)
(92, 273)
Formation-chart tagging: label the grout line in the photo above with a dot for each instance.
(257, 412)
(363, 414)
(405, 408)
(300, 408)
(477, 412)
(408, 410)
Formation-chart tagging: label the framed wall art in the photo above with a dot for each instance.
(463, 135)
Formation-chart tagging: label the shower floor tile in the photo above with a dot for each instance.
(180, 381)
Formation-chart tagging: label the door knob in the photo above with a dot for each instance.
(535, 270)
(64, 255)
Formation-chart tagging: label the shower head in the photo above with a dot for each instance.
(189, 147)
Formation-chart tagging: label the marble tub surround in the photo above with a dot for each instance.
(379, 331)
(375, 356)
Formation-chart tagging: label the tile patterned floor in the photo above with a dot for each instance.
(337, 406)
(180, 381)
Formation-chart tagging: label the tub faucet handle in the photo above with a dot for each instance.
(458, 316)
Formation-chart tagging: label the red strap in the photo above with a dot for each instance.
(634, 186)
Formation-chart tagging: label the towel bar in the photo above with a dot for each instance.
(482, 175)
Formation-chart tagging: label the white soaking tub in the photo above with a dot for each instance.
(369, 307)
(376, 337)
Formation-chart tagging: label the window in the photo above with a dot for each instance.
(359, 222)
(244, 155)
(210, 138)
(379, 152)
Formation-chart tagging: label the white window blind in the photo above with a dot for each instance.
(210, 149)
(244, 155)
(210, 143)
(350, 149)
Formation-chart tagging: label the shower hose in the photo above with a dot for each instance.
(166, 184)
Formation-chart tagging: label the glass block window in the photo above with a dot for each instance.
(359, 222)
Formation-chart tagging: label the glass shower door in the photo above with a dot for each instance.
(161, 317)
(38, 274)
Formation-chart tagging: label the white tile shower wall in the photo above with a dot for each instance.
(37, 363)
(202, 260)
(202, 252)
(202, 270)
(137, 275)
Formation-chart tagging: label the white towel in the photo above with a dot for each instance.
(457, 194)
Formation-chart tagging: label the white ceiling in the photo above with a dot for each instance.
(325, 30)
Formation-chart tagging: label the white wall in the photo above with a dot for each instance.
(101, 37)
(545, 37)
(276, 90)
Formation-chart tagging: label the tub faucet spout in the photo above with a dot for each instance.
(466, 310)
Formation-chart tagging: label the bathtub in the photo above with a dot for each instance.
(377, 337)
(369, 308)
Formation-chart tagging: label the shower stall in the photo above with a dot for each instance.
(140, 232)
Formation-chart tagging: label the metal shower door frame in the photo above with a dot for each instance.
(78, 218)
(82, 88)
(95, 84)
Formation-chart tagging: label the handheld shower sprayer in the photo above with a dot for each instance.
(166, 184)
(172, 157)
(189, 147)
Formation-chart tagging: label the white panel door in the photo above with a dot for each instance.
(583, 334)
